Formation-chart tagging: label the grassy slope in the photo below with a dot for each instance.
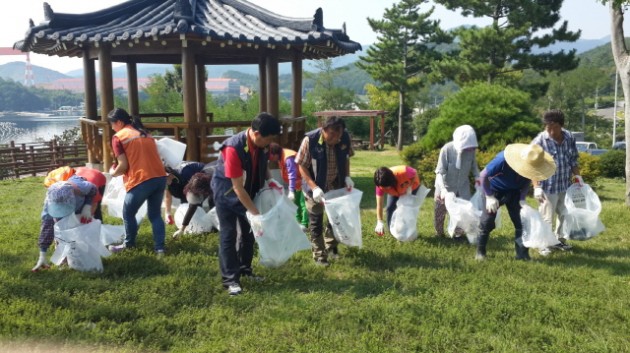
(428, 296)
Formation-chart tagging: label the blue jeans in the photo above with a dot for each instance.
(151, 191)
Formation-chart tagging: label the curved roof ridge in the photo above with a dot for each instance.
(299, 24)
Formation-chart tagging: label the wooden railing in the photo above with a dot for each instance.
(95, 132)
(39, 158)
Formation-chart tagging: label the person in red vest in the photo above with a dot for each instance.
(144, 177)
(291, 176)
(395, 181)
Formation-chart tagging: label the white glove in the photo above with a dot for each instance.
(349, 183)
(291, 195)
(522, 203)
(379, 228)
(492, 204)
(539, 194)
(318, 195)
(579, 180)
(178, 233)
(42, 263)
(255, 221)
(86, 214)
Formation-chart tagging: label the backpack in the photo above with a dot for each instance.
(59, 174)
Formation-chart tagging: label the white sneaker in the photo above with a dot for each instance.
(234, 289)
(116, 248)
(544, 252)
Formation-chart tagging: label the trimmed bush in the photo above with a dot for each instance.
(613, 164)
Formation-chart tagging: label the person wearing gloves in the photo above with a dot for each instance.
(550, 193)
(506, 180)
(324, 162)
(143, 175)
(456, 162)
(176, 181)
(395, 181)
(197, 190)
(291, 176)
(63, 198)
(240, 173)
(99, 180)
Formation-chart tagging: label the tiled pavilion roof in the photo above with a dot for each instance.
(230, 25)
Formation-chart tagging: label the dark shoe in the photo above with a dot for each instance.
(461, 239)
(333, 254)
(562, 246)
(234, 289)
(523, 258)
(322, 262)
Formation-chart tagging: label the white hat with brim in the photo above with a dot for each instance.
(530, 161)
(60, 199)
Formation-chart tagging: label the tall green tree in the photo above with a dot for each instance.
(325, 94)
(405, 49)
(518, 38)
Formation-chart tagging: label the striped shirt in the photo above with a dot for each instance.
(565, 155)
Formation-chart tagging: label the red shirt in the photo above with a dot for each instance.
(232, 164)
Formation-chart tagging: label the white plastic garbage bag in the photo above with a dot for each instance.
(198, 224)
(212, 217)
(112, 234)
(281, 234)
(114, 199)
(462, 214)
(479, 201)
(344, 214)
(537, 234)
(79, 244)
(171, 151)
(404, 223)
(581, 222)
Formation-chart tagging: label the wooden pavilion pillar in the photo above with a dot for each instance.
(202, 108)
(190, 104)
(273, 100)
(262, 85)
(296, 88)
(107, 99)
(372, 133)
(132, 89)
(382, 129)
(89, 82)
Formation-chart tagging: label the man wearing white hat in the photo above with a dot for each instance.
(506, 180)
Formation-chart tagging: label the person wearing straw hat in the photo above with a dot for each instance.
(550, 193)
(63, 198)
(506, 180)
(456, 162)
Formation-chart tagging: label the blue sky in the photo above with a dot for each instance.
(588, 15)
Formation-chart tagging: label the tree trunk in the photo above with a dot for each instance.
(401, 114)
(622, 63)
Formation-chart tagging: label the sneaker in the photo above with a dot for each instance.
(562, 246)
(159, 253)
(480, 257)
(116, 248)
(234, 289)
(333, 254)
(544, 252)
(322, 262)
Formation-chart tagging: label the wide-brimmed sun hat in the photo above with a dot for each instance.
(60, 199)
(530, 161)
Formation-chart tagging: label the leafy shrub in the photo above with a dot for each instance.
(613, 164)
(590, 168)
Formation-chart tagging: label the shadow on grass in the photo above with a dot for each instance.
(590, 258)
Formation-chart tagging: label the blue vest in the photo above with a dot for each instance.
(319, 163)
(184, 172)
(224, 194)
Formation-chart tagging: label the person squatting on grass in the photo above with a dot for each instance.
(395, 181)
(240, 173)
(291, 176)
(550, 193)
(143, 175)
(456, 162)
(190, 183)
(62, 199)
(505, 181)
(324, 162)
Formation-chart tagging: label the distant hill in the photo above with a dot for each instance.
(15, 71)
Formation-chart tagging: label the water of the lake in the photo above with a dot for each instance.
(31, 127)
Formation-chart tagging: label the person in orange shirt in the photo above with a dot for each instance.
(395, 181)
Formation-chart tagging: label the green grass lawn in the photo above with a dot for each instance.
(426, 296)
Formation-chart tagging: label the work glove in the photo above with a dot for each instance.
(539, 194)
(318, 195)
(274, 184)
(42, 263)
(168, 218)
(349, 183)
(86, 214)
(255, 221)
(291, 195)
(379, 228)
(178, 232)
(579, 180)
(409, 191)
(492, 204)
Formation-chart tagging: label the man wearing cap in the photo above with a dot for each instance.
(63, 198)
(550, 193)
(505, 181)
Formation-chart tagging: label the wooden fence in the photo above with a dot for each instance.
(31, 159)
